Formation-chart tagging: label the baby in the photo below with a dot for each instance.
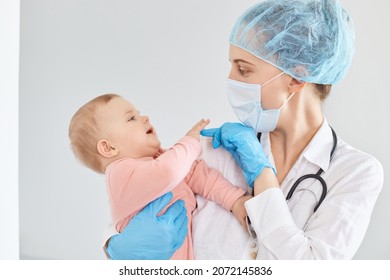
(109, 135)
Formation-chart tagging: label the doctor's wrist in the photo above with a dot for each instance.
(265, 181)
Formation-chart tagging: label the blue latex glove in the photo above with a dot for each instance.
(242, 143)
(148, 237)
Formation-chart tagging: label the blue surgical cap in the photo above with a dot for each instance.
(311, 40)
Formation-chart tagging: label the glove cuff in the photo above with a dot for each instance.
(251, 177)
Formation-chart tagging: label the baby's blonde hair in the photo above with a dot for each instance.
(84, 132)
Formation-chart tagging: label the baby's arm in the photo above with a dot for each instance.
(176, 162)
(209, 183)
(135, 182)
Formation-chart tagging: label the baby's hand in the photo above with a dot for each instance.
(159, 152)
(195, 130)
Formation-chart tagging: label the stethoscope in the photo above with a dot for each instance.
(316, 176)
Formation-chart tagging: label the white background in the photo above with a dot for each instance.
(170, 58)
(9, 71)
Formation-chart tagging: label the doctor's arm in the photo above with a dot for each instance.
(335, 230)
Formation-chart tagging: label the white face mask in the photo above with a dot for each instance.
(246, 103)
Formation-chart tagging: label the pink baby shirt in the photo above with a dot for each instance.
(133, 183)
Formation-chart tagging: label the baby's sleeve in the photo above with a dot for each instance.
(209, 183)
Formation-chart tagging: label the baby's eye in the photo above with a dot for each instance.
(131, 119)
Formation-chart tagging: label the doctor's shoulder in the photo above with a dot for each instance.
(361, 170)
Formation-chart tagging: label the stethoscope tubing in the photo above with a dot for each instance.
(316, 176)
(307, 176)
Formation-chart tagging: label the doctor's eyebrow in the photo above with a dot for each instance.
(241, 60)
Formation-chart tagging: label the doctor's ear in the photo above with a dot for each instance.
(295, 85)
(105, 149)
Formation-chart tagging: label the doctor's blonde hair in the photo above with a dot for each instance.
(84, 132)
(322, 91)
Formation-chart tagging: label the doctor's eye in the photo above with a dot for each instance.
(243, 71)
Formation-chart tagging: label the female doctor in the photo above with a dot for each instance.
(313, 193)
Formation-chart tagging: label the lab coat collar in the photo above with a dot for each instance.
(319, 148)
(316, 152)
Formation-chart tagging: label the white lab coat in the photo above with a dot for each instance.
(335, 231)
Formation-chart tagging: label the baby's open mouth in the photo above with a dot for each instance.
(150, 130)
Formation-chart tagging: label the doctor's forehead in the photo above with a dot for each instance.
(237, 54)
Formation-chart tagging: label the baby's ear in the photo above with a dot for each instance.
(105, 149)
